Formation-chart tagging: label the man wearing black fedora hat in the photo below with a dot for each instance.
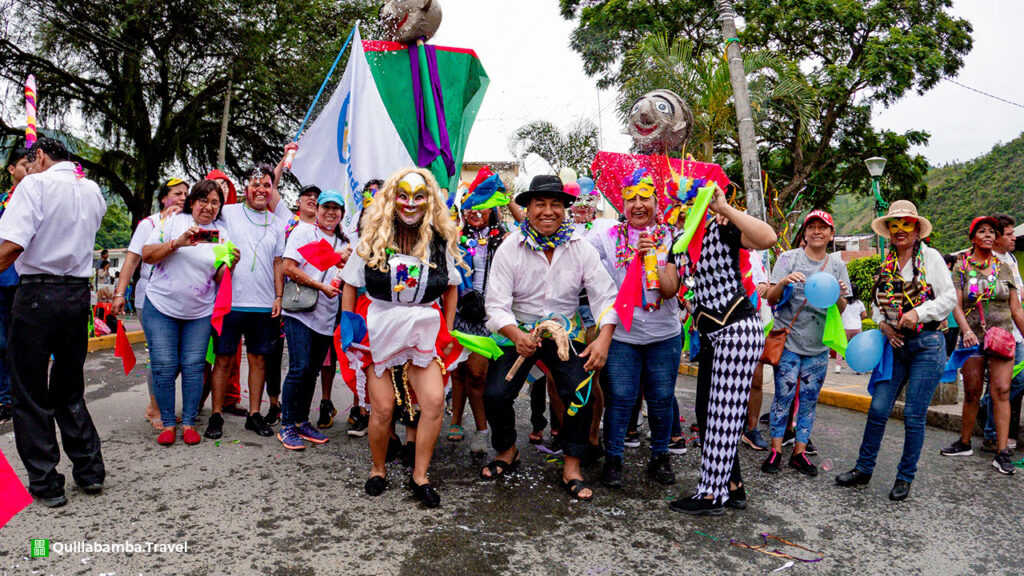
(534, 286)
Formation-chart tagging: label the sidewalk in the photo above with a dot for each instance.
(850, 390)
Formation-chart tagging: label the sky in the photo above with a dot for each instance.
(535, 75)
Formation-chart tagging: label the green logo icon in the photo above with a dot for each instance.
(40, 548)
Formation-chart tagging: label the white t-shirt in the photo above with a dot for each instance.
(182, 285)
(139, 238)
(320, 319)
(260, 239)
(647, 327)
(851, 315)
(54, 216)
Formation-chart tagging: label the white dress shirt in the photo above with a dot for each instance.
(524, 287)
(54, 216)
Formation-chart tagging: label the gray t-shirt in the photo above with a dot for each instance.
(805, 334)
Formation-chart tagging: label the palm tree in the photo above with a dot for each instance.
(778, 91)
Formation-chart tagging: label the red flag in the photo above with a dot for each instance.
(15, 496)
(320, 254)
(698, 240)
(123, 349)
(631, 293)
(222, 305)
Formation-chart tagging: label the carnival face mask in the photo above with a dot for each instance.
(411, 199)
(897, 225)
(659, 121)
(407, 21)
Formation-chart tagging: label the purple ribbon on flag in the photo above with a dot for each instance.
(428, 149)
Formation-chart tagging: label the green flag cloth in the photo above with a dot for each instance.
(835, 335)
(211, 358)
(686, 334)
(1017, 369)
(482, 345)
(770, 324)
(222, 252)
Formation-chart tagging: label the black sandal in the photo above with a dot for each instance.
(575, 486)
(499, 468)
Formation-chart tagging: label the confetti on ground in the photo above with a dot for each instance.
(784, 566)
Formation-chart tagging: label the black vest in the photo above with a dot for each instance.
(378, 284)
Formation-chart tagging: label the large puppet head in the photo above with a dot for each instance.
(407, 21)
(660, 121)
(411, 200)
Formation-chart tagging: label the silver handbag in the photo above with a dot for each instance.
(296, 297)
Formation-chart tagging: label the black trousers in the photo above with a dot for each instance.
(52, 319)
(273, 367)
(500, 395)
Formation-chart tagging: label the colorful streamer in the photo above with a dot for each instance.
(695, 219)
(30, 111)
(574, 406)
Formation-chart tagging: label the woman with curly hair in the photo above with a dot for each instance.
(406, 260)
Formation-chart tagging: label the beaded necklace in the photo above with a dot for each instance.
(541, 243)
(890, 276)
(474, 237)
(624, 254)
(981, 283)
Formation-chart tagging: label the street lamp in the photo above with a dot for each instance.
(876, 166)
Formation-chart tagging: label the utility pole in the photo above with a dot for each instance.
(222, 152)
(744, 117)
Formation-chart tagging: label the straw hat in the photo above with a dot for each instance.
(901, 209)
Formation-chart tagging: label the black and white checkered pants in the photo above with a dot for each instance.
(728, 358)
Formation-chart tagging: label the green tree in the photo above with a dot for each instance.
(853, 55)
(115, 229)
(146, 80)
(575, 148)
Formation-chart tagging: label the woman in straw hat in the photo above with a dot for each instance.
(987, 305)
(913, 294)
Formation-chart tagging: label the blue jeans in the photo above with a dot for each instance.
(176, 346)
(306, 352)
(809, 373)
(918, 366)
(1016, 389)
(6, 300)
(658, 363)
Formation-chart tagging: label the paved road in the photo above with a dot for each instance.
(253, 508)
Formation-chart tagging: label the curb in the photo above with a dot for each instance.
(108, 342)
(937, 418)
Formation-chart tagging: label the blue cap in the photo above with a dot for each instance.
(331, 196)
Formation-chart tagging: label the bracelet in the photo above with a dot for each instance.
(278, 296)
(118, 294)
(173, 247)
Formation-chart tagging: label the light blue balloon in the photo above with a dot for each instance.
(586, 184)
(821, 290)
(864, 351)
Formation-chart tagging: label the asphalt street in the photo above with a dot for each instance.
(247, 506)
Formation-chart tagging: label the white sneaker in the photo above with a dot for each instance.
(478, 445)
(839, 369)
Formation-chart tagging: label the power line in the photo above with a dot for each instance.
(994, 97)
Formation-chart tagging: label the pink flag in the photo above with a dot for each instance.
(222, 305)
(631, 293)
(13, 495)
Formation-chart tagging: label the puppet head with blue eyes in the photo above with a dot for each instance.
(659, 122)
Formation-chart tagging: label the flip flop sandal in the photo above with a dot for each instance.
(499, 468)
(456, 433)
(575, 486)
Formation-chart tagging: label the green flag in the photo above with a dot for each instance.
(482, 345)
(835, 335)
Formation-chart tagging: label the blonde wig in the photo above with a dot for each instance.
(379, 235)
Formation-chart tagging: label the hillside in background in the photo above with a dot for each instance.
(956, 194)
